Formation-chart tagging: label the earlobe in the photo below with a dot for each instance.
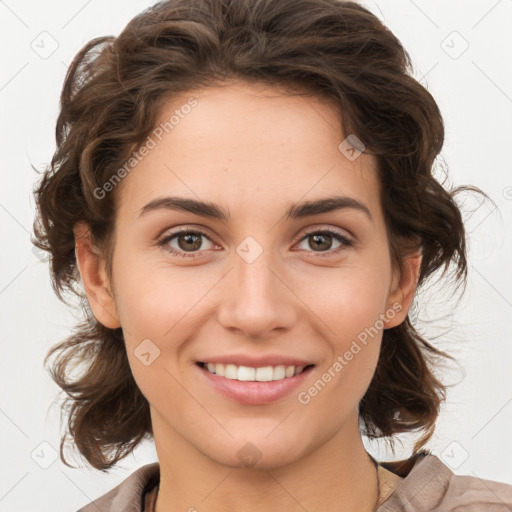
(403, 292)
(91, 266)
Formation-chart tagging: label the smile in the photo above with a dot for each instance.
(254, 385)
(252, 374)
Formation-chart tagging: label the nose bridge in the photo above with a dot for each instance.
(258, 300)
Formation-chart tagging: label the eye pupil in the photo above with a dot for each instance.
(316, 238)
(190, 237)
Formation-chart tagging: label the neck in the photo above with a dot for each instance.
(339, 475)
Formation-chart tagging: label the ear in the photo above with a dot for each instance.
(94, 277)
(403, 289)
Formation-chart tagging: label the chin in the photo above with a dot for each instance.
(259, 451)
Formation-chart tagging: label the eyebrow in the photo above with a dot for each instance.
(295, 211)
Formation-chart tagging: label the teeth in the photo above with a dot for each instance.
(246, 373)
(231, 371)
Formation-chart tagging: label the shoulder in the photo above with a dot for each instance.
(430, 485)
(128, 496)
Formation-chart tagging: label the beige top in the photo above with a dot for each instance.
(427, 485)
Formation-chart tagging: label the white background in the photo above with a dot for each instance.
(474, 92)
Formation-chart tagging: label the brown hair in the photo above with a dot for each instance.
(109, 104)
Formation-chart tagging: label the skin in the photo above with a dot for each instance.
(253, 150)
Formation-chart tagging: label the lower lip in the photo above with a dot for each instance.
(255, 393)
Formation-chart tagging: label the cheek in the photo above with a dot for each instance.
(352, 311)
(352, 300)
(347, 371)
(159, 307)
(153, 312)
(151, 296)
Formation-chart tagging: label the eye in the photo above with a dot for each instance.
(186, 240)
(322, 240)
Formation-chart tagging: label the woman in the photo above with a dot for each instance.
(245, 191)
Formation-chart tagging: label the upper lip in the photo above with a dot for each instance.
(256, 362)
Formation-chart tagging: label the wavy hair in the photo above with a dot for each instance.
(111, 97)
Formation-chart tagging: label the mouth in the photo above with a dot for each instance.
(253, 374)
(253, 385)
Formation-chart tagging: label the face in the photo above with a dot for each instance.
(280, 296)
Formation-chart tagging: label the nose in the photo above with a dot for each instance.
(256, 299)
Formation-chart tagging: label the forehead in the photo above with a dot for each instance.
(249, 146)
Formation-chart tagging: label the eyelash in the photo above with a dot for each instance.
(341, 238)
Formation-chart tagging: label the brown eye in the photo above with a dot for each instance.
(322, 241)
(187, 241)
